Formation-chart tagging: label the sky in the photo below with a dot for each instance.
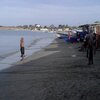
(47, 12)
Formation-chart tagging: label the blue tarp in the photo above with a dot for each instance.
(73, 38)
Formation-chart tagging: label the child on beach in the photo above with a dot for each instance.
(22, 47)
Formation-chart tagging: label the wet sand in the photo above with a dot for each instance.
(59, 72)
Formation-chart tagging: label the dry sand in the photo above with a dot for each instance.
(59, 72)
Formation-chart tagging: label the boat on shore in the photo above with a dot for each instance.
(69, 36)
(61, 34)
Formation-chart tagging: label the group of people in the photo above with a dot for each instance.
(90, 46)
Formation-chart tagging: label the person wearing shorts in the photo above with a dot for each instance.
(22, 49)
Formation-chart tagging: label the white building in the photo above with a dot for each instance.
(44, 30)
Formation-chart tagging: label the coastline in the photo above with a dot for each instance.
(10, 28)
(54, 74)
(39, 54)
(11, 59)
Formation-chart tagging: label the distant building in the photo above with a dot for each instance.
(44, 29)
(60, 30)
(66, 29)
(37, 25)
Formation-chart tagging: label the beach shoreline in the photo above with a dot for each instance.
(13, 58)
(59, 72)
(37, 54)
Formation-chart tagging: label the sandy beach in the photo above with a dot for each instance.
(59, 72)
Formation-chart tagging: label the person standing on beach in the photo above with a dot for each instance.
(22, 49)
(90, 49)
(86, 43)
(94, 42)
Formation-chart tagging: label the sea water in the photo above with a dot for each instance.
(10, 44)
